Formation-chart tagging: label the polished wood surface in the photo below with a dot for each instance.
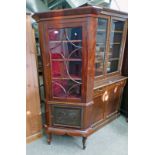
(33, 113)
(107, 100)
(100, 98)
(79, 11)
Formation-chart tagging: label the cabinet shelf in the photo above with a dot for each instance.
(113, 59)
(116, 31)
(65, 41)
(115, 43)
(99, 70)
(67, 97)
(66, 59)
(98, 62)
(103, 30)
(66, 78)
(100, 43)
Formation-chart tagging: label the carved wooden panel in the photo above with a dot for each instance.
(67, 116)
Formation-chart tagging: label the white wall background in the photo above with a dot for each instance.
(121, 5)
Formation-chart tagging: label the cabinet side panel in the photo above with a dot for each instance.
(46, 67)
(91, 45)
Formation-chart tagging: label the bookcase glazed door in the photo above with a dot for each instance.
(117, 34)
(66, 55)
(101, 42)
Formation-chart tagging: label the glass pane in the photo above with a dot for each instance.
(56, 34)
(65, 50)
(114, 51)
(58, 69)
(101, 36)
(112, 66)
(65, 34)
(117, 25)
(66, 88)
(74, 50)
(100, 46)
(115, 45)
(66, 70)
(66, 62)
(115, 37)
(73, 33)
(75, 68)
(102, 23)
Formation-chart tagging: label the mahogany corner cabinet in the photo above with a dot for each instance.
(82, 51)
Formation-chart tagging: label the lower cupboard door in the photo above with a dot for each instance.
(98, 109)
(66, 116)
(109, 103)
(114, 99)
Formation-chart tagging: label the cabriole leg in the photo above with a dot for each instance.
(84, 142)
(49, 139)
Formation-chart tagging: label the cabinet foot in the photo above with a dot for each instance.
(49, 139)
(84, 142)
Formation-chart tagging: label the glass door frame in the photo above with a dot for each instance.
(97, 78)
(118, 72)
(58, 24)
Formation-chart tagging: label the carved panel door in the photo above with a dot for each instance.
(114, 94)
(98, 109)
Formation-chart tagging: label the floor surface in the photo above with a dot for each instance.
(112, 139)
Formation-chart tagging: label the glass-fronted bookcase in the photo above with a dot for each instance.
(109, 46)
(82, 51)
